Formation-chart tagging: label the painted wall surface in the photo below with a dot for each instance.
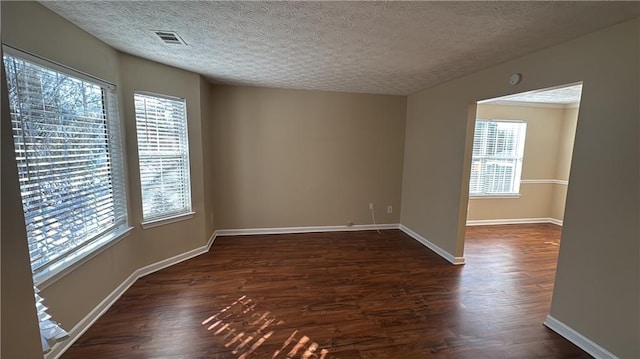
(597, 283)
(168, 240)
(20, 333)
(286, 158)
(297, 158)
(567, 138)
(30, 27)
(207, 149)
(548, 149)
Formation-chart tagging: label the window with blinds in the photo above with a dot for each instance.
(496, 162)
(69, 156)
(163, 151)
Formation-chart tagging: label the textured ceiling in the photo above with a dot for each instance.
(561, 96)
(372, 47)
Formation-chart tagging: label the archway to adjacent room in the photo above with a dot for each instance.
(519, 158)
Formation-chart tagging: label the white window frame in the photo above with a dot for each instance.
(518, 159)
(108, 236)
(181, 136)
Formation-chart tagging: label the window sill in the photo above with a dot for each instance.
(495, 196)
(46, 278)
(167, 220)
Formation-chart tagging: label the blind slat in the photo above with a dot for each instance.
(496, 164)
(161, 125)
(69, 160)
(67, 143)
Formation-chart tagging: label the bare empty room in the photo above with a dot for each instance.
(319, 180)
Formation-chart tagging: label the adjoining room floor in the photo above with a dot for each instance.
(342, 295)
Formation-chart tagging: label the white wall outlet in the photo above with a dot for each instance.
(371, 205)
(389, 209)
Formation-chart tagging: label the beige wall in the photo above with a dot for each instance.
(207, 149)
(271, 147)
(164, 241)
(547, 156)
(565, 153)
(567, 138)
(31, 27)
(534, 203)
(287, 158)
(20, 24)
(19, 320)
(597, 283)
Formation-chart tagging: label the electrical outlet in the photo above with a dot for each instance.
(389, 209)
(371, 205)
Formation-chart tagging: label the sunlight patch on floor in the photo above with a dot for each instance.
(227, 325)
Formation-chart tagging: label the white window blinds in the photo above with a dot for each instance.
(163, 152)
(68, 151)
(496, 164)
(50, 330)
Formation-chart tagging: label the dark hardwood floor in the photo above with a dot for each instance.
(342, 295)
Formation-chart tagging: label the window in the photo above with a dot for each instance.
(68, 152)
(496, 162)
(163, 152)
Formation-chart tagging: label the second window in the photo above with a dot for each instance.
(496, 164)
(163, 152)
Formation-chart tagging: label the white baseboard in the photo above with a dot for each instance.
(285, 230)
(495, 222)
(578, 339)
(441, 252)
(154, 267)
(85, 323)
(555, 221)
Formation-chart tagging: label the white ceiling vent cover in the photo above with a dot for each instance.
(170, 37)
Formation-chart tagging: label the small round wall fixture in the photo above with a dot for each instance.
(515, 78)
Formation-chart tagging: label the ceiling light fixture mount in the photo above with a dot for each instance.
(515, 78)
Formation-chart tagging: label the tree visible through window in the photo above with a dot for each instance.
(163, 152)
(68, 152)
(496, 163)
(69, 161)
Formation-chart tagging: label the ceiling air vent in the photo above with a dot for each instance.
(170, 37)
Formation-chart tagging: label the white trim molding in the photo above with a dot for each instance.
(285, 230)
(497, 222)
(578, 339)
(85, 323)
(47, 278)
(167, 220)
(544, 181)
(495, 196)
(557, 222)
(441, 252)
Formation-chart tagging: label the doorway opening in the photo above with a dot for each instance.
(519, 174)
(521, 157)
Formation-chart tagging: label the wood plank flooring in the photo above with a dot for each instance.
(342, 295)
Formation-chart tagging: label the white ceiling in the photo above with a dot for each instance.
(371, 47)
(568, 95)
